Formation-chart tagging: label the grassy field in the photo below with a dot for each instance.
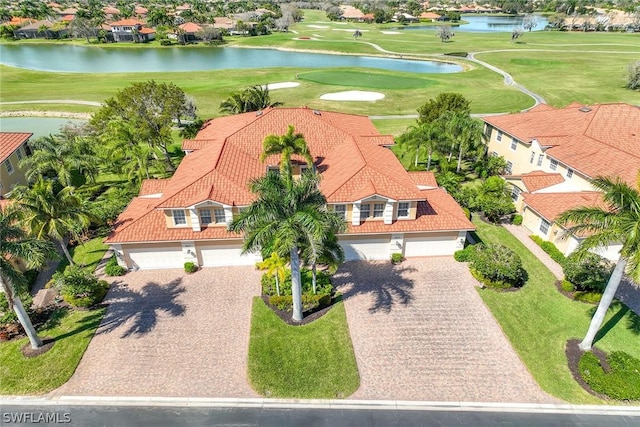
(312, 361)
(72, 331)
(538, 321)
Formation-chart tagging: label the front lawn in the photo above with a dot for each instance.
(538, 321)
(87, 255)
(311, 361)
(72, 331)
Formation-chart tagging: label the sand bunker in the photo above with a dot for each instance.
(318, 26)
(390, 32)
(281, 85)
(350, 30)
(353, 95)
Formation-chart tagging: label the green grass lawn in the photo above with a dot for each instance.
(311, 361)
(538, 321)
(372, 80)
(87, 255)
(72, 332)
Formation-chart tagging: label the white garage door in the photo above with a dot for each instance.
(429, 246)
(366, 249)
(158, 257)
(218, 256)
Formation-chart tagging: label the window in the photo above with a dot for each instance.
(569, 173)
(515, 192)
(540, 158)
(219, 215)
(179, 217)
(553, 164)
(205, 216)
(19, 153)
(365, 210)
(494, 154)
(378, 210)
(509, 167)
(499, 136)
(533, 157)
(273, 169)
(544, 226)
(403, 209)
(9, 166)
(514, 144)
(341, 211)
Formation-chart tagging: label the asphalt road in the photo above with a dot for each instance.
(89, 416)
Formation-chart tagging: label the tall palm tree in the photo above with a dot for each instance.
(47, 212)
(15, 243)
(62, 155)
(617, 222)
(424, 136)
(284, 213)
(252, 98)
(327, 251)
(286, 145)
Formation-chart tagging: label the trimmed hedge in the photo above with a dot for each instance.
(464, 255)
(190, 267)
(309, 302)
(550, 249)
(621, 383)
(80, 288)
(112, 268)
(516, 219)
(497, 266)
(396, 257)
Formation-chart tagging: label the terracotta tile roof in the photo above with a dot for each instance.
(226, 154)
(153, 186)
(190, 27)
(551, 205)
(110, 10)
(139, 10)
(424, 178)
(10, 141)
(146, 30)
(429, 15)
(537, 180)
(127, 22)
(602, 139)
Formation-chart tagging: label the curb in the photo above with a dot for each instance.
(399, 405)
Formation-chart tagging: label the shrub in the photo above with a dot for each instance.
(31, 276)
(567, 286)
(323, 283)
(112, 268)
(550, 249)
(621, 383)
(516, 219)
(498, 264)
(396, 258)
(589, 272)
(190, 267)
(165, 42)
(7, 315)
(80, 288)
(588, 297)
(464, 255)
(467, 213)
(309, 302)
(536, 239)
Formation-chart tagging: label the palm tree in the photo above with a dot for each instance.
(618, 222)
(286, 145)
(275, 266)
(252, 98)
(326, 252)
(469, 138)
(424, 136)
(62, 155)
(47, 212)
(284, 213)
(15, 243)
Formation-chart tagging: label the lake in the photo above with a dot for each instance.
(483, 24)
(79, 59)
(38, 126)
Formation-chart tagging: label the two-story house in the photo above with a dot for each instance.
(13, 148)
(131, 30)
(552, 154)
(388, 210)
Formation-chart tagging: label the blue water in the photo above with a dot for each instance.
(38, 126)
(78, 59)
(483, 24)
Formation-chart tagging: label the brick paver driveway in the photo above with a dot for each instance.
(170, 334)
(421, 332)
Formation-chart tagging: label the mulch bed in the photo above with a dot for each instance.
(573, 353)
(14, 331)
(47, 343)
(570, 295)
(307, 316)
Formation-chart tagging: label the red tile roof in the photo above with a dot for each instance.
(598, 140)
(424, 178)
(347, 152)
(127, 22)
(10, 141)
(537, 180)
(551, 205)
(190, 27)
(153, 186)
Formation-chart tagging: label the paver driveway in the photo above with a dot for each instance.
(421, 332)
(170, 334)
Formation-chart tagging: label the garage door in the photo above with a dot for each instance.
(365, 249)
(429, 246)
(157, 257)
(218, 256)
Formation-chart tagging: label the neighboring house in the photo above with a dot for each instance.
(430, 16)
(129, 30)
(388, 210)
(351, 13)
(13, 148)
(552, 154)
(190, 32)
(39, 29)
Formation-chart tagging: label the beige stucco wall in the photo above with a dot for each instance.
(9, 181)
(168, 216)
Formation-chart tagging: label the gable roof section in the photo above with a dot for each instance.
(602, 139)
(537, 180)
(424, 179)
(10, 141)
(152, 186)
(551, 205)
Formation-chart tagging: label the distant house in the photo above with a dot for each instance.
(224, 23)
(350, 13)
(430, 16)
(190, 31)
(131, 30)
(386, 209)
(406, 17)
(13, 148)
(40, 29)
(552, 154)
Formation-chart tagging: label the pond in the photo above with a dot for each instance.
(79, 59)
(38, 126)
(484, 24)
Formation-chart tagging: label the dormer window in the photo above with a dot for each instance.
(378, 210)
(365, 210)
(179, 217)
(205, 216)
(403, 209)
(219, 215)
